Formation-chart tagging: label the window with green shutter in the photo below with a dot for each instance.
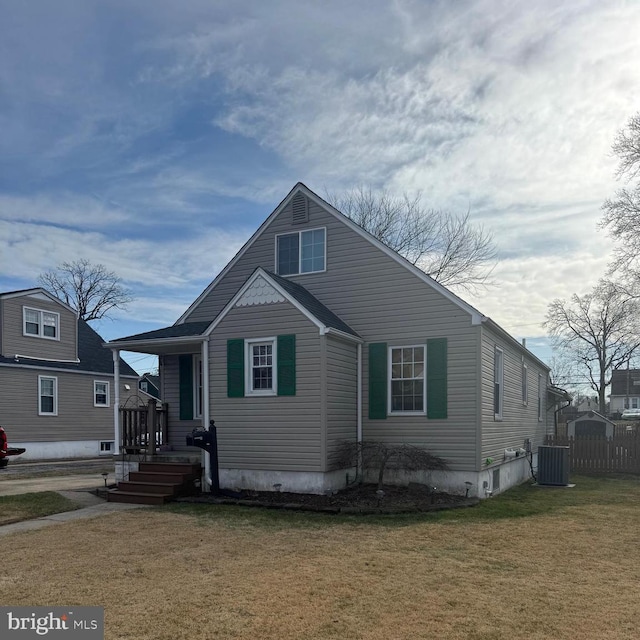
(437, 378)
(378, 381)
(286, 359)
(185, 373)
(235, 368)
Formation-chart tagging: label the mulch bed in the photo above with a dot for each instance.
(358, 499)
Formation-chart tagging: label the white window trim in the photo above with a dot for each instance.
(248, 371)
(525, 384)
(390, 412)
(197, 387)
(95, 393)
(498, 414)
(40, 313)
(300, 232)
(55, 396)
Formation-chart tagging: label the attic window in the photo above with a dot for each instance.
(41, 324)
(300, 209)
(301, 252)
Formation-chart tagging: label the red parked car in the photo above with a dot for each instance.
(6, 450)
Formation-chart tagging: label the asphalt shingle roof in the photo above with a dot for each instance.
(619, 382)
(312, 304)
(174, 331)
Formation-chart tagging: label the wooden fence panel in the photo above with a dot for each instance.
(601, 455)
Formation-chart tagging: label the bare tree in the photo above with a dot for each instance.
(377, 455)
(598, 331)
(91, 289)
(448, 247)
(622, 213)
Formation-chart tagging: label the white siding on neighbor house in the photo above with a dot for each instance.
(77, 418)
(270, 432)
(341, 396)
(384, 302)
(519, 421)
(14, 342)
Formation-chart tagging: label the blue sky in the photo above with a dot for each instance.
(154, 137)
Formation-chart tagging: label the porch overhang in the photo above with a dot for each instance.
(158, 346)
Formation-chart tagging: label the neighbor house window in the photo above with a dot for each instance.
(261, 355)
(100, 393)
(634, 403)
(498, 383)
(144, 386)
(301, 252)
(525, 390)
(43, 324)
(48, 396)
(406, 379)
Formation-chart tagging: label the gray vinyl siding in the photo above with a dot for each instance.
(178, 429)
(275, 432)
(519, 421)
(77, 418)
(384, 302)
(14, 342)
(341, 396)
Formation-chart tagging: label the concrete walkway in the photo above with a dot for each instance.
(79, 487)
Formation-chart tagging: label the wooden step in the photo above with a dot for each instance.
(137, 497)
(157, 477)
(184, 468)
(167, 488)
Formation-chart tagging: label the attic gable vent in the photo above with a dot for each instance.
(300, 206)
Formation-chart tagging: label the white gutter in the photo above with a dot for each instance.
(205, 407)
(359, 400)
(116, 403)
(17, 357)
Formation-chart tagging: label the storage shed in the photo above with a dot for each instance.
(589, 425)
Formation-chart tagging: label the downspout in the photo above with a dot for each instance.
(116, 401)
(205, 406)
(359, 409)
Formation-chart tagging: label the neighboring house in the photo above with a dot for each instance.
(56, 379)
(316, 333)
(625, 390)
(150, 385)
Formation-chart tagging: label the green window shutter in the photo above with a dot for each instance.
(437, 378)
(286, 356)
(185, 366)
(235, 368)
(378, 381)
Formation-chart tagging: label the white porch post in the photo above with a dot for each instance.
(205, 404)
(116, 403)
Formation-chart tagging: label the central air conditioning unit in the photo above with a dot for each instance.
(553, 465)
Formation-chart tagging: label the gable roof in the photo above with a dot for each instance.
(299, 297)
(476, 316)
(92, 356)
(37, 290)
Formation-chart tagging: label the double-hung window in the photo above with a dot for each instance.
(197, 386)
(498, 383)
(407, 380)
(100, 393)
(261, 364)
(301, 252)
(42, 324)
(47, 396)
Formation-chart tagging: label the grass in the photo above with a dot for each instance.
(541, 564)
(33, 505)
